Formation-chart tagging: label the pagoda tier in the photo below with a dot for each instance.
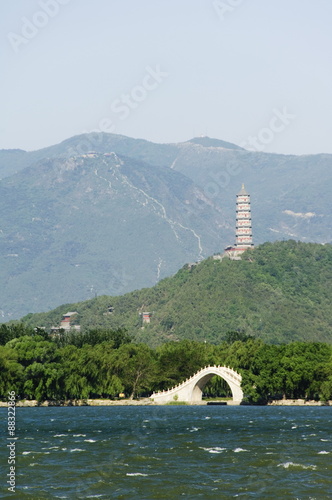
(243, 233)
(243, 230)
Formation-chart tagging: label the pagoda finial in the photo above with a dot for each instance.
(243, 190)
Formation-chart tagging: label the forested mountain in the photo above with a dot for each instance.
(106, 214)
(279, 292)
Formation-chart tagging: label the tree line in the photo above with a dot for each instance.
(103, 363)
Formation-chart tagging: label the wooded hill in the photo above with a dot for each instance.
(279, 292)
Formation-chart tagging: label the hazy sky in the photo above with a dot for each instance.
(252, 72)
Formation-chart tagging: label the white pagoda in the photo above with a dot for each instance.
(243, 229)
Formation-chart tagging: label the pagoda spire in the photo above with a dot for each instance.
(243, 190)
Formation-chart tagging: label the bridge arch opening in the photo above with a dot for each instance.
(216, 387)
(198, 389)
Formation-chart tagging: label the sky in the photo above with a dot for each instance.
(252, 72)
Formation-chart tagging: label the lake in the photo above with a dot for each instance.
(171, 452)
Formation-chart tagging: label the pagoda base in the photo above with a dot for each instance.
(234, 253)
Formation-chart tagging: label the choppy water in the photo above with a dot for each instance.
(176, 452)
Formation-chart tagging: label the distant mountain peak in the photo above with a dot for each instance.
(209, 142)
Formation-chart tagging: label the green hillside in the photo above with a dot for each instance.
(279, 292)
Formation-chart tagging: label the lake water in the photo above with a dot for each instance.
(171, 452)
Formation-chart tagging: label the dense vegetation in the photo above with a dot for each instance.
(279, 292)
(104, 363)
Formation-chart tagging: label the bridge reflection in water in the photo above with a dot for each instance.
(191, 390)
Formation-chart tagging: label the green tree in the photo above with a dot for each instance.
(136, 368)
(11, 372)
(75, 385)
(16, 330)
(179, 360)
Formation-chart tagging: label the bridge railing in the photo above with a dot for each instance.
(229, 371)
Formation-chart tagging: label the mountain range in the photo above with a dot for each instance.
(104, 214)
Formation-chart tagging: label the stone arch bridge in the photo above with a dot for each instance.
(191, 389)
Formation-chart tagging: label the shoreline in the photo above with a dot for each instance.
(148, 402)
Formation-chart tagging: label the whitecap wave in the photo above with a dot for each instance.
(214, 449)
(287, 465)
(238, 450)
(136, 474)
